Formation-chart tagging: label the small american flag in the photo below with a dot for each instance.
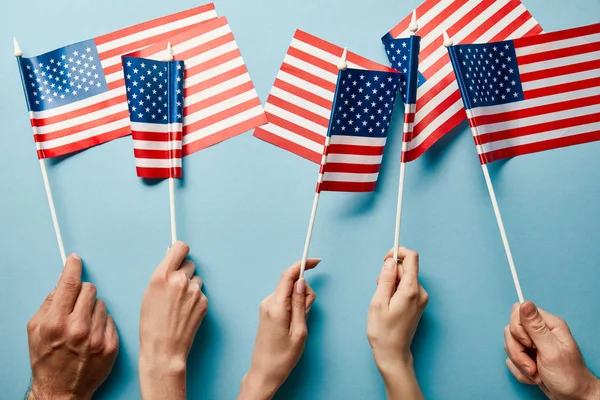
(155, 99)
(362, 111)
(439, 107)
(299, 106)
(531, 94)
(404, 56)
(76, 94)
(220, 99)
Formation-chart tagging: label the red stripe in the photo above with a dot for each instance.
(304, 94)
(536, 30)
(512, 27)
(313, 60)
(330, 186)
(559, 71)
(355, 149)
(111, 69)
(157, 154)
(156, 136)
(81, 127)
(534, 111)
(307, 76)
(433, 92)
(297, 129)
(154, 23)
(83, 144)
(409, 118)
(159, 173)
(538, 128)
(440, 18)
(562, 88)
(368, 64)
(205, 66)
(444, 128)
(115, 84)
(556, 36)
(297, 110)
(223, 96)
(221, 116)
(559, 53)
(540, 146)
(37, 122)
(224, 134)
(288, 145)
(205, 47)
(203, 85)
(431, 117)
(352, 168)
(421, 10)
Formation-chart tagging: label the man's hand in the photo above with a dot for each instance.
(394, 315)
(542, 351)
(281, 334)
(172, 309)
(73, 343)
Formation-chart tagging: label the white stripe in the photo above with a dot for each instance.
(348, 177)
(158, 128)
(190, 137)
(408, 128)
(217, 89)
(561, 79)
(353, 159)
(436, 123)
(76, 137)
(202, 39)
(557, 44)
(300, 102)
(424, 19)
(358, 140)
(309, 87)
(539, 137)
(211, 54)
(559, 62)
(226, 104)
(158, 163)
(315, 51)
(293, 137)
(296, 119)
(78, 105)
(151, 145)
(157, 30)
(68, 123)
(211, 73)
(523, 29)
(434, 103)
(448, 22)
(310, 68)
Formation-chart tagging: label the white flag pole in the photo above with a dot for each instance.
(61, 247)
(413, 27)
(169, 57)
(342, 65)
(488, 181)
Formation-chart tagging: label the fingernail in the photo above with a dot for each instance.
(389, 264)
(528, 309)
(76, 256)
(301, 286)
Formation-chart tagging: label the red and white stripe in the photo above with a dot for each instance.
(157, 149)
(439, 104)
(299, 105)
(105, 117)
(560, 74)
(220, 100)
(409, 124)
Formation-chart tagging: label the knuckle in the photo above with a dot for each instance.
(179, 281)
(96, 344)
(413, 254)
(100, 306)
(299, 335)
(31, 326)
(204, 304)
(72, 284)
(52, 328)
(424, 299)
(78, 331)
(111, 346)
(263, 308)
(412, 293)
(89, 287)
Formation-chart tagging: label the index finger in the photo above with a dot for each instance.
(290, 276)
(410, 265)
(68, 286)
(175, 256)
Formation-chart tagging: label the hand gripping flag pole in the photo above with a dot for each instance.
(449, 43)
(342, 65)
(61, 247)
(171, 178)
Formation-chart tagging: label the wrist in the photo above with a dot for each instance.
(394, 365)
(37, 392)
(257, 386)
(593, 392)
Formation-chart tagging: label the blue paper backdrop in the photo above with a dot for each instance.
(244, 206)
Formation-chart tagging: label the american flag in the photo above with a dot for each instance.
(220, 99)
(84, 102)
(404, 57)
(439, 107)
(155, 100)
(362, 111)
(299, 106)
(531, 94)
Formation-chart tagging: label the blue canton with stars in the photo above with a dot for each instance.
(487, 74)
(403, 55)
(364, 102)
(63, 76)
(154, 90)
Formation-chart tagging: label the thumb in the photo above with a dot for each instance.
(298, 319)
(386, 286)
(535, 326)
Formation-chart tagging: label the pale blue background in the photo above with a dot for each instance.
(244, 206)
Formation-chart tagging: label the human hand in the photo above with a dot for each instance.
(542, 351)
(73, 343)
(172, 309)
(281, 336)
(394, 314)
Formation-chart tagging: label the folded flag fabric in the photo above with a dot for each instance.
(362, 111)
(404, 57)
(220, 99)
(299, 106)
(76, 94)
(531, 94)
(439, 107)
(155, 99)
